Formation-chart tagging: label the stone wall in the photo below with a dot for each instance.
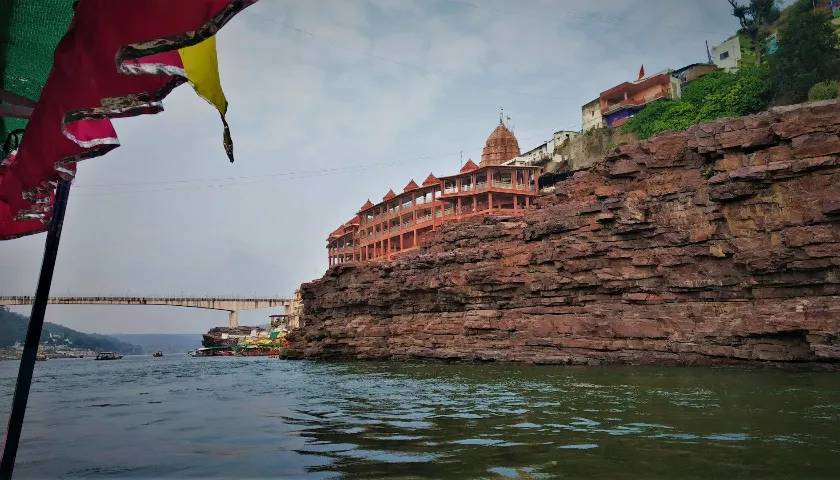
(583, 151)
(716, 245)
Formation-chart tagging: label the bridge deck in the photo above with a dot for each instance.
(230, 305)
(212, 303)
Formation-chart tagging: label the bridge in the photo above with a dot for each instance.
(231, 305)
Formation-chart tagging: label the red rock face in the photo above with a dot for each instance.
(716, 245)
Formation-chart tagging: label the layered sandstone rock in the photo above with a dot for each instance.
(719, 244)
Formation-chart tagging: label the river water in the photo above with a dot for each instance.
(176, 416)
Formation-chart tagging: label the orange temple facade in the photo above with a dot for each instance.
(402, 222)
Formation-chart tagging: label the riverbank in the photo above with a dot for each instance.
(47, 353)
(720, 244)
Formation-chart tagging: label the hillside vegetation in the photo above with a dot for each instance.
(13, 330)
(708, 98)
(807, 61)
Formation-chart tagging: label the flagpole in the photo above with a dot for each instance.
(33, 332)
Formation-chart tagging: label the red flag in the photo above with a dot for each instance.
(118, 59)
(642, 72)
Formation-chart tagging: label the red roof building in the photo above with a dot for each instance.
(430, 180)
(341, 242)
(401, 223)
(468, 167)
(410, 186)
(626, 99)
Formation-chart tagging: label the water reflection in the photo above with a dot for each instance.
(226, 417)
(465, 421)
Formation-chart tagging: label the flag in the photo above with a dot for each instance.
(117, 59)
(642, 72)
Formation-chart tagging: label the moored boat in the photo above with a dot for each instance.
(208, 352)
(157, 354)
(108, 356)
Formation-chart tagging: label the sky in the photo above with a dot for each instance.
(331, 103)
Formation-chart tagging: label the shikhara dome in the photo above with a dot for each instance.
(500, 147)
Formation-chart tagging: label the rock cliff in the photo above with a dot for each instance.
(720, 244)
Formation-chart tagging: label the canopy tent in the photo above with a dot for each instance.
(29, 33)
(116, 59)
(66, 68)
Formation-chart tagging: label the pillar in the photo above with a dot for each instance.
(490, 201)
(233, 318)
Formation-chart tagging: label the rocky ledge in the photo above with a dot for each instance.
(720, 244)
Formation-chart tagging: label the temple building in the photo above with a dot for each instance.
(401, 222)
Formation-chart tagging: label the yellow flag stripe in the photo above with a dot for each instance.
(201, 65)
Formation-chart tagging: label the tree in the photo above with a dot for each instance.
(809, 53)
(755, 20)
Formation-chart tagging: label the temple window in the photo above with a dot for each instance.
(449, 209)
(449, 186)
(466, 184)
(501, 179)
(481, 181)
(424, 215)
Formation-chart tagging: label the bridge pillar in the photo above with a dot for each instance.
(233, 318)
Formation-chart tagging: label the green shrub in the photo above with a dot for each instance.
(716, 95)
(824, 91)
(661, 116)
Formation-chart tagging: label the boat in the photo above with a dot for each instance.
(202, 352)
(108, 356)
(212, 352)
(157, 354)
